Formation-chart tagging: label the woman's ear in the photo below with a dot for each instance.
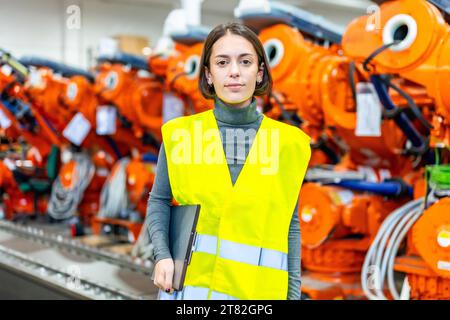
(260, 74)
(208, 76)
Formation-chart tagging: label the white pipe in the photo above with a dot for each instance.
(193, 9)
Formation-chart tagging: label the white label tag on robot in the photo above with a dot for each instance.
(173, 107)
(5, 122)
(77, 129)
(35, 79)
(368, 111)
(106, 120)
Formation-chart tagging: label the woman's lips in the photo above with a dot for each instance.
(234, 87)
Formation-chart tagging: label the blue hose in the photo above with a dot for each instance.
(149, 157)
(388, 188)
(402, 120)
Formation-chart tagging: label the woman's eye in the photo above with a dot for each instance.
(221, 62)
(246, 62)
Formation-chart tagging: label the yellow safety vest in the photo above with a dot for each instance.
(241, 247)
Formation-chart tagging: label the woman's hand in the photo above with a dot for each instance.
(164, 274)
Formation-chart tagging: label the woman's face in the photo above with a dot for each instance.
(234, 70)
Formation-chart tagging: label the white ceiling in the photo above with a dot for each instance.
(357, 5)
(340, 12)
(227, 6)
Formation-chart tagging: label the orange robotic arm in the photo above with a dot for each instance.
(421, 52)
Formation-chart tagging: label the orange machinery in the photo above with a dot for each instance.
(130, 182)
(296, 96)
(416, 44)
(419, 57)
(123, 80)
(173, 105)
(63, 93)
(424, 257)
(297, 43)
(9, 129)
(338, 222)
(319, 91)
(18, 202)
(182, 74)
(427, 257)
(36, 168)
(179, 70)
(25, 118)
(80, 97)
(44, 88)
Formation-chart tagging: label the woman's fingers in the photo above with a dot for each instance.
(156, 279)
(168, 278)
(164, 270)
(159, 277)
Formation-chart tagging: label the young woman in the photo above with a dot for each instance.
(244, 169)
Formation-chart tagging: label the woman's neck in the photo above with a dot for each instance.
(233, 115)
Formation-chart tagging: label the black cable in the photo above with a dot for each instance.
(322, 146)
(175, 78)
(412, 105)
(351, 79)
(391, 114)
(286, 115)
(377, 52)
(419, 151)
(148, 138)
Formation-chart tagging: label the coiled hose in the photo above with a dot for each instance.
(114, 202)
(114, 196)
(378, 267)
(64, 201)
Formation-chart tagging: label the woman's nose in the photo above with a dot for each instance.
(234, 69)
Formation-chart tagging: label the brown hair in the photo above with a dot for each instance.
(264, 87)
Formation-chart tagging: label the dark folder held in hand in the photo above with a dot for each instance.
(183, 222)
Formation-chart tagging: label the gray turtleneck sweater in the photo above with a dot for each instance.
(158, 208)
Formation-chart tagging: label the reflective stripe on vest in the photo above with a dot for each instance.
(194, 293)
(205, 243)
(241, 252)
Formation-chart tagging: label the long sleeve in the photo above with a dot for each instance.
(158, 209)
(294, 251)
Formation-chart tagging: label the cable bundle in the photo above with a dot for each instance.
(64, 202)
(114, 197)
(378, 267)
